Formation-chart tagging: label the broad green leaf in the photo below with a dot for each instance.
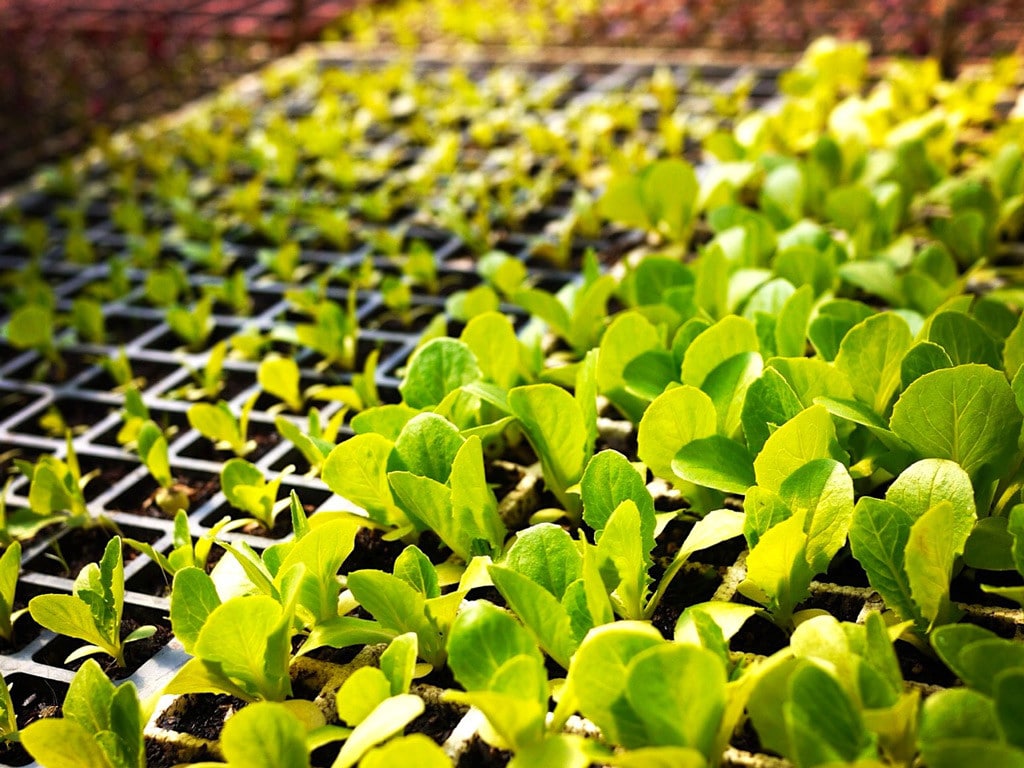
(675, 418)
(924, 357)
(360, 694)
(834, 320)
(152, 447)
(727, 386)
(193, 598)
(629, 335)
(547, 555)
(598, 678)
(357, 470)
(343, 631)
(824, 725)
(388, 719)
(956, 714)
(492, 340)
(679, 693)
(807, 436)
(244, 638)
(732, 335)
(392, 602)
(414, 751)
(482, 639)
(478, 526)
(791, 323)
(964, 339)
(265, 735)
(59, 743)
(715, 462)
(871, 354)
(822, 492)
(555, 427)
(972, 417)
(778, 575)
(427, 446)
(878, 538)
(541, 612)
(437, 368)
(280, 377)
(608, 480)
(770, 402)
(762, 509)
(811, 377)
(928, 482)
(622, 543)
(195, 676)
(67, 615)
(415, 569)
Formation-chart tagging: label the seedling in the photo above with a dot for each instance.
(93, 611)
(152, 447)
(10, 565)
(185, 553)
(102, 725)
(247, 489)
(219, 424)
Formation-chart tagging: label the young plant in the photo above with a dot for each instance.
(246, 488)
(102, 726)
(319, 439)
(410, 600)
(93, 611)
(134, 414)
(961, 724)
(56, 494)
(10, 565)
(152, 448)
(184, 553)
(9, 733)
(840, 698)
(661, 200)
(33, 326)
(192, 324)
(280, 377)
(666, 702)
(219, 424)
(910, 543)
(208, 380)
(333, 333)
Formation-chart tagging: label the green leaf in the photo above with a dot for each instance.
(427, 446)
(361, 693)
(248, 639)
(357, 470)
(871, 355)
(824, 725)
(715, 462)
(791, 323)
(822, 492)
(936, 539)
(621, 543)
(68, 615)
(492, 340)
(343, 631)
(437, 368)
(554, 425)
(265, 735)
(193, 598)
(398, 662)
(482, 640)
(676, 417)
(924, 357)
(732, 335)
(679, 693)
(928, 482)
(608, 480)
(280, 377)
(878, 538)
(388, 719)
(414, 751)
(629, 335)
(598, 678)
(964, 339)
(972, 417)
(778, 574)
(547, 555)
(807, 436)
(58, 743)
(770, 402)
(544, 616)
(392, 602)
(727, 386)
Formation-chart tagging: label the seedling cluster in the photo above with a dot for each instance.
(648, 414)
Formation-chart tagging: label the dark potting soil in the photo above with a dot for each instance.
(33, 701)
(689, 587)
(200, 714)
(140, 498)
(136, 653)
(81, 546)
(479, 754)
(437, 721)
(163, 755)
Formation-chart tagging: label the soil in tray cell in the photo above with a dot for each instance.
(689, 587)
(140, 498)
(170, 422)
(200, 714)
(13, 403)
(64, 412)
(147, 374)
(480, 754)
(136, 653)
(170, 341)
(34, 698)
(70, 553)
(263, 435)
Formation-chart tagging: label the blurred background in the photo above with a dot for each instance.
(71, 70)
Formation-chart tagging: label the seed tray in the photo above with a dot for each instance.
(86, 398)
